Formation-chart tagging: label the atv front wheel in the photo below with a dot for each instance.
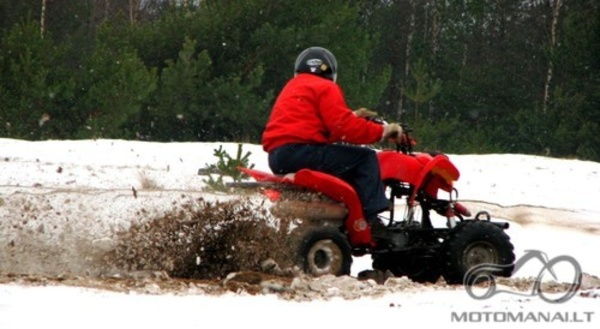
(472, 243)
(325, 251)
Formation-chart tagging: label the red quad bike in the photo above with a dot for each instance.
(420, 248)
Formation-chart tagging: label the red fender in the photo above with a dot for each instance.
(399, 166)
(414, 169)
(359, 232)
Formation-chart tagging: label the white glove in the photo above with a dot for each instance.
(392, 131)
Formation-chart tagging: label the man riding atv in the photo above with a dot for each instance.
(312, 127)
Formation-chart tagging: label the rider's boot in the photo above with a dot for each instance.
(381, 235)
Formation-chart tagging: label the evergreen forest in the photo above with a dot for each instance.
(468, 76)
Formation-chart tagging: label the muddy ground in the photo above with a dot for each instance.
(192, 246)
(297, 288)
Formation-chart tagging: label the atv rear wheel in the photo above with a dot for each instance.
(472, 243)
(324, 251)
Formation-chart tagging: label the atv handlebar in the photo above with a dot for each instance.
(405, 143)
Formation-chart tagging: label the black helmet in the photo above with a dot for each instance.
(317, 60)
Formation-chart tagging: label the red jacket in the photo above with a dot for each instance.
(312, 110)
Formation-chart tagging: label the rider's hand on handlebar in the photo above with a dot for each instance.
(365, 113)
(392, 132)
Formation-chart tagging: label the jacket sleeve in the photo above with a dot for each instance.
(341, 122)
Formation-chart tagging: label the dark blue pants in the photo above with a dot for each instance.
(354, 164)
